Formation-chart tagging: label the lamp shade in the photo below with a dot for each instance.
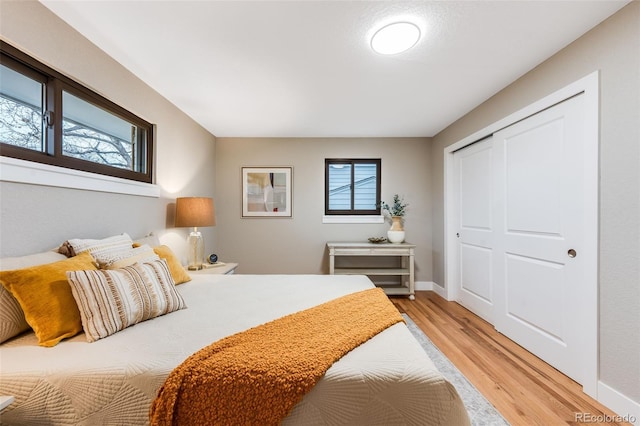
(195, 211)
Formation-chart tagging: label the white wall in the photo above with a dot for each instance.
(613, 47)
(41, 217)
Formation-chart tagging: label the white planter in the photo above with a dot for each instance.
(395, 237)
(395, 234)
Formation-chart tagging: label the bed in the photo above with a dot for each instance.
(114, 380)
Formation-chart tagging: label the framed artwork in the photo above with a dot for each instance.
(266, 192)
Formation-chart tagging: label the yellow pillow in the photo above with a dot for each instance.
(178, 273)
(46, 299)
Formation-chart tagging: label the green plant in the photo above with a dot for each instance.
(398, 208)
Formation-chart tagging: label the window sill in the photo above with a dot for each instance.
(21, 171)
(353, 219)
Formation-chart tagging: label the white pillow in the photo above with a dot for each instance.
(151, 239)
(21, 262)
(12, 321)
(112, 300)
(127, 257)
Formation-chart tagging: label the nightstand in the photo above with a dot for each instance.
(217, 268)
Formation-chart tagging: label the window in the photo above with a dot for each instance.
(352, 186)
(48, 118)
(21, 109)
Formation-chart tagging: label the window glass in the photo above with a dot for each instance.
(339, 186)
(21, 110)
(352, 186)
(93, 134)
(364, 186)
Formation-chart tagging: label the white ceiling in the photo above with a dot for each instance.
(305, 68)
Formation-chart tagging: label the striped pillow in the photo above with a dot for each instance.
(112, 300)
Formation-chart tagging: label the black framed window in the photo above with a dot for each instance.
(49, 118)
(352, 186)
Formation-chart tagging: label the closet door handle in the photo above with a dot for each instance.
(572, 253)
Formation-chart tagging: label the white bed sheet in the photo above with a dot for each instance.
(388, 380)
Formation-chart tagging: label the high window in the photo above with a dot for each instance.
(48, 118)
(352, 186)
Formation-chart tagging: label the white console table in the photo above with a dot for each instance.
(405, 271)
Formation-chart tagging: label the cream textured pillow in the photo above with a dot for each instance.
(112, 300)
(12, 321)
(128, 257)
(101, 250)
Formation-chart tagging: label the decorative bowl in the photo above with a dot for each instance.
(377, 240)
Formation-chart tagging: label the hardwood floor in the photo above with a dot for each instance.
(526, 390)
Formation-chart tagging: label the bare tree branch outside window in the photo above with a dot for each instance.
(88, 144)
(21, 125)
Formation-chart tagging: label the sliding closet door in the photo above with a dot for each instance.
(474, 189)
(539, 178)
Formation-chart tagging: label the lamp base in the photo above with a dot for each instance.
(195, 256)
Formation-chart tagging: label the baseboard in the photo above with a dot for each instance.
(625, 407)
(430, 286)
(424, 285)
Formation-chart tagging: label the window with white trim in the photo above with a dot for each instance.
(48, 118)
(352, 186)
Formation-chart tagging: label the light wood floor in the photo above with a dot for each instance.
(525, 390)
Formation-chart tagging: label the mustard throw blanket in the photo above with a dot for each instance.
(257, 376)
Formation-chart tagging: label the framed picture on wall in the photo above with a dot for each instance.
(266, 192)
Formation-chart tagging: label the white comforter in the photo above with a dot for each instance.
(388, 380)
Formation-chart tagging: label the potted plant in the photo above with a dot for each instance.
(395, 212)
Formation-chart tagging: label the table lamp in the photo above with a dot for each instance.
(195, 212)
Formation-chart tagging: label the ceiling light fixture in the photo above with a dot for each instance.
(395, 38)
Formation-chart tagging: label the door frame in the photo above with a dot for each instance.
(589, 87)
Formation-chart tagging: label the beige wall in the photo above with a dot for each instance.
(297, 245)
(39, 217)
(613, 47)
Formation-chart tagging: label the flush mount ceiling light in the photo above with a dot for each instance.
(395, 38)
